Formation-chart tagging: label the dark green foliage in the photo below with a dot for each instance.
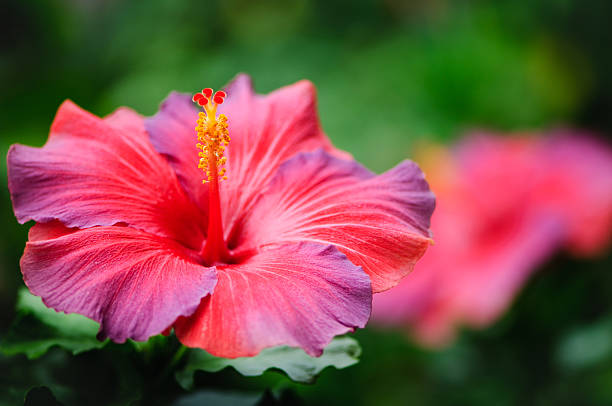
(41, 396)
(38, 328)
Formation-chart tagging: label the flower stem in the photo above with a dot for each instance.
(176, 359)
(178, 355)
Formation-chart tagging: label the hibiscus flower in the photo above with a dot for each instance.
(505, 205)
(137, 229)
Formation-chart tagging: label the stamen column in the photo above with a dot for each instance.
(213, 136)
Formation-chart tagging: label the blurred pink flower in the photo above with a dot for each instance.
(505, 205)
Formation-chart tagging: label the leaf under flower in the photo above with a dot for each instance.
(342, 352)
(37, 328)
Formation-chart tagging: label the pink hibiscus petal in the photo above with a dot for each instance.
(172, 133)
(265, 131)
(380, 222)
(294, 294)
(133, 283)
(127, 120)
(95, 172)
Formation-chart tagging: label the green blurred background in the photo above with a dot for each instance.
(389, 73)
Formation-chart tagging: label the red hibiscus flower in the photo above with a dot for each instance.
(505, 205)
(287, 251)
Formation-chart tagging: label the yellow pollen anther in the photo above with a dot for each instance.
(212, 134)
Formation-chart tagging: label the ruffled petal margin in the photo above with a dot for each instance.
(380, 222)
(299, 295)
(133, 283)
(100, 172)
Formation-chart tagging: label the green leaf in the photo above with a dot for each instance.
(208, 397)
(586, 346)
(38, 328)
(299, 366)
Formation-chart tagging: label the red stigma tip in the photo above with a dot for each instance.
(202, 101)
(218, 100)
(207, 92)
(197, 97)
(221, 94)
